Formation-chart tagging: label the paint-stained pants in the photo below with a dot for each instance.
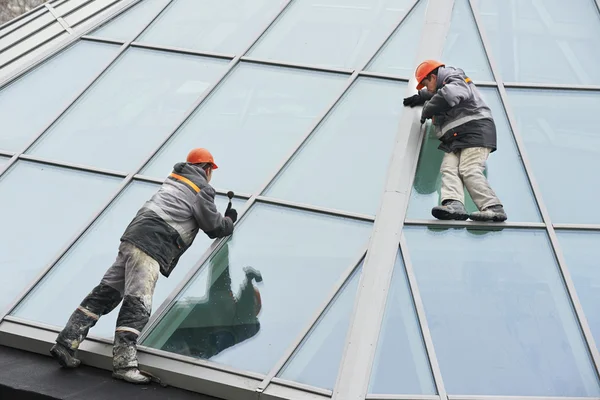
(464, 168)
(132, 278)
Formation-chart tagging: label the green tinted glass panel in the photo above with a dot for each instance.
(86, 262)
(130, 110)
(397, 57)
(464, 48)
(562, 141)
(499, 314)
(300, 256)
(252, 122)
(344, 163)
(330, 33)
(504, 171)
(549, 41)
(401, 365)
(45, 207)
(317, 360)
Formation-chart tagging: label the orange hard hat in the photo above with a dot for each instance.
(424, 69)
(200, 155)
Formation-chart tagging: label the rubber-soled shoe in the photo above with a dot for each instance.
(450, 210)
(65, 357)
(132, 375)
(490, 214)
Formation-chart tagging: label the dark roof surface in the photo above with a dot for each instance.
(25, 375)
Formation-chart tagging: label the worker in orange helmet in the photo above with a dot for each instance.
(464, 124)
(162, 230)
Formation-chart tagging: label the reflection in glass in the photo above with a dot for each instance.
(550, 41)
(582, 252)
(562, 140)
(504, 171)
(401, 365)
(317, 360)
(464, 48)
(264, 108)
(44, 206)
(499, 314)
(344, 163)
(32, 101)
(224, 26)
(330, 33)
(116, 129)
(300, 255)
(397, 56)
(86, 262)
(127, 25)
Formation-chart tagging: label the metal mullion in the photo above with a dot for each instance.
(59, 19)
(38, 45)
(422, 317)
(183, 51)
(562, 265)
(550, 86)
(314, 321)
(7, 153)
(401, 397)
(29, 35)
(369, 308)
(484, 397)
(278, 63)
(577, 227)
(314, 208)
(474, 224)
(101, 40)
(302, 386)
(78, 167)
(150, 179)
(51, 328)
(19, 18)
(380, 75)
(94, 14)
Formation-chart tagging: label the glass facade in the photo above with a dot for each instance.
(300, 101)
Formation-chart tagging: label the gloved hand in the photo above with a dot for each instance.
(413, 101)
(231, 213)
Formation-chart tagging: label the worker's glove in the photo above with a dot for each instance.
(231, 213)
(413, 101)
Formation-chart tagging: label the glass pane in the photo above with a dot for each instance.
(366, 118)
(291, 249)
(86, 262)
(499, 314)
(129, 24)
(226, 26)
(562, 141)
(464, 48)
(330, 33)
(550, 41)
(263, 108)
(317, 360)
(70, 198)
(582, 252)
(113, 128)
(504, 171)
(401, 365)
(3, 161)
(397, 57)
(32, 101)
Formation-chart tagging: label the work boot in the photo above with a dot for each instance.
(450, 209)
(493, 213)
(64, 356)
(132, 375)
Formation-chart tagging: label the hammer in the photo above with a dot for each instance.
(230, 194)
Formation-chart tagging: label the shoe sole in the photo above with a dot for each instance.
(119, 377)
(57, 356)
(493, 219)
(448, 216)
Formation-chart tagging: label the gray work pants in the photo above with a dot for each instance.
(464, 168)
(132, 278)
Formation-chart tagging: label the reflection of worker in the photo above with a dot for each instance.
(219, 320)
(466, 129)
(163, 229)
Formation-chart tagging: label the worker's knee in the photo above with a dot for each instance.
(471, 170)
(135, 312)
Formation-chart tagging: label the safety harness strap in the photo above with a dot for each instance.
(185, 180)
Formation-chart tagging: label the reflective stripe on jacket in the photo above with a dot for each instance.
(166, 226)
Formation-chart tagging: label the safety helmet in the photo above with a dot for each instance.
(199, 156)
(424, 69)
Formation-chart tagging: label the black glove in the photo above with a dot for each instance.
(231, 213)
(413, 101)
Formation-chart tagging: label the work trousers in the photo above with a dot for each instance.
(132, 278)
(464, 168)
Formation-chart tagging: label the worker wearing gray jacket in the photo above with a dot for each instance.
(162, 230)
(466, 129)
